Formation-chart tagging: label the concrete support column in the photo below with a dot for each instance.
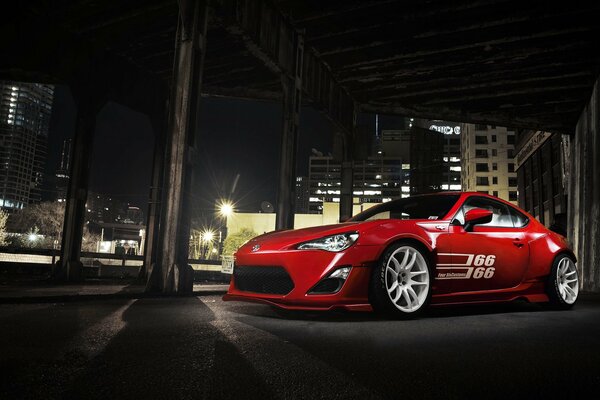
(347, 191)
(584, 193)
(347, 173)
(171, 272)
(292, 101)
(69, 267)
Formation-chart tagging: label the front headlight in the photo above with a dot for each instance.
(335, 243)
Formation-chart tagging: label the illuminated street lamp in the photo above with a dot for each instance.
(208, 236)
(225, 208)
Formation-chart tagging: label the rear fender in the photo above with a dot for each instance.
(543, 251)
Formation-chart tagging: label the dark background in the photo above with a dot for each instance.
(236, 137)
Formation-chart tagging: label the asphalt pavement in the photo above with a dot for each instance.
(203, 348)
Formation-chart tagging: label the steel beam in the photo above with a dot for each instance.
(346, 154)
(292, 102)
(497, 117)
(147, 272)
(69, 267)
(270, 37)
(171, 272)
(34, 48)
(347, 190)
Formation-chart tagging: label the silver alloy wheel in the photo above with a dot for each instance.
(407, 279)
(567, 280)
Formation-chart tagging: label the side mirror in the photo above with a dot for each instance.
(477, 216)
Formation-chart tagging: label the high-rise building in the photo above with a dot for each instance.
(325, 182)
(62, 172)
(541, 162)
(134, 215)
(426, 161)
(421, 156)
(395, 143)
(450, 133)
(488, 164)
(375, 180)
(25, 110)
(301, 204)
(104, 208)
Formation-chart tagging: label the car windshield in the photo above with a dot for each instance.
(417, 207)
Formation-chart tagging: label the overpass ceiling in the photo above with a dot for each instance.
(530, 61)
(529, 64)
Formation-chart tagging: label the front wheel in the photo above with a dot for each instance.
(563, 282)
(401, 282)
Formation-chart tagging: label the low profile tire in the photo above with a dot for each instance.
(563, 282)
(401, 282)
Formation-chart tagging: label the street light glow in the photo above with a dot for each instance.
(208, 236)
(226, 208)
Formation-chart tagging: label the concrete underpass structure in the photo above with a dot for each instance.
(522, 65)
(584, 193)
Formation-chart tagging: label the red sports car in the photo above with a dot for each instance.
(398, 257)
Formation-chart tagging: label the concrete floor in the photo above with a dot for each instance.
(200, 347)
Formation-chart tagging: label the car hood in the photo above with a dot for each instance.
(288, 239)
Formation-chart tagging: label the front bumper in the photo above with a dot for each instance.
(306, 268)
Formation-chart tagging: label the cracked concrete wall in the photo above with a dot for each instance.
(584, 194)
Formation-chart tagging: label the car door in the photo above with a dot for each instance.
(491, 256)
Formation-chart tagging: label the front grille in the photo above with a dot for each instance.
(271, 280)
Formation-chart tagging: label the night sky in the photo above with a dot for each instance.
(236, 137)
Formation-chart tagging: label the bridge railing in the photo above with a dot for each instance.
(32, 260)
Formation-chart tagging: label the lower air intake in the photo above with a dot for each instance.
(328, 286)
(269, 280)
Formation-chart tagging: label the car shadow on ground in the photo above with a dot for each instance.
(168, 349)
(475, 351)
(265, 311)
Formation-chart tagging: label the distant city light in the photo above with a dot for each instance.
(445, 129)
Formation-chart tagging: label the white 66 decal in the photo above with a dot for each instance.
(466, 266)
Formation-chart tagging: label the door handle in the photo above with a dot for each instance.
(517, 242)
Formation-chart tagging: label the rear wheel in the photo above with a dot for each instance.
(401, 282)
(563, 282)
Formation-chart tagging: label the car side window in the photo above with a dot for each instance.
(501, 217)
(459, 217)
(381, 215)
(518, 218)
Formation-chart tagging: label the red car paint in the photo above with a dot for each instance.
(521, 257)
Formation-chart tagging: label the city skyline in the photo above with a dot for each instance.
(130, 142)
(120, 129)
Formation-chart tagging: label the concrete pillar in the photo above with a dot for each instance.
(292, 102)
(584, 193)
(171, 271)
(347, 173)
(69, 267)
(346, 190)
